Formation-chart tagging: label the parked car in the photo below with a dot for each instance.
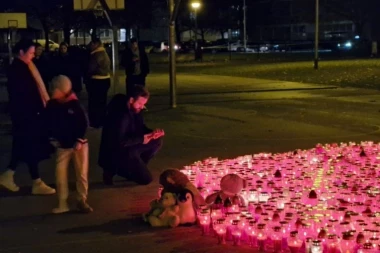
(235, 45)
(163, 46)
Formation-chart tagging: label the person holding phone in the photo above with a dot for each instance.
(127, 144)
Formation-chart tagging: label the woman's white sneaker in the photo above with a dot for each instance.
(7, 181)
(40, 188)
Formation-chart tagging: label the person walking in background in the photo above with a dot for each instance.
(27, 101)
(136, 64)
(43, 64)
(99, 82)
(68, 64)
(67, 125)
(127, 144)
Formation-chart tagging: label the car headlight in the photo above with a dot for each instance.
(348, 44)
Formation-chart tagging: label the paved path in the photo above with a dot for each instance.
(216, 116)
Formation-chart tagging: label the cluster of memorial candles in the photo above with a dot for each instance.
(325, 199)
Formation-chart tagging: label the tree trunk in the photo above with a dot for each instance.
(222, 34)
(66, 33)
(177, 31)
(46, 31)
(138, 32)
(94, 26)
(202, 34)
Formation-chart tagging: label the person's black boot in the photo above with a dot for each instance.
(107, 179)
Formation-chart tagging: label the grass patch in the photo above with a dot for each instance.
(361, 73)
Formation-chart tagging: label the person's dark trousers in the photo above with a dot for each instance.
(77, 84)
(97, 100)
(137, 161)
(133, 80)
(15, 161)
(32, 166)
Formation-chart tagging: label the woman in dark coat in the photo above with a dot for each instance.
(69, 65)
(27, 101)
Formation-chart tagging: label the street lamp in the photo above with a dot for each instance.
(245, 26)
(195, 5)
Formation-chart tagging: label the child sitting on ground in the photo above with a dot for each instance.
(67, 124)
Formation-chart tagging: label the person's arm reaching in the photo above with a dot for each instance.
(127, 140)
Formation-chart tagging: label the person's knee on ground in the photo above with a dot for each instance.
(140, 175)
(108, 176)
(154, 146)
(145, 180)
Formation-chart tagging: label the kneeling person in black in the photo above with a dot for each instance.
(127, 145)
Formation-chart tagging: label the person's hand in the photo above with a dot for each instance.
(55, 143)
(78, 146)
(135, 59)
(147, 138)
(157, 133)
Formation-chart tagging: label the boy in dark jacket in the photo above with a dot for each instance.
(67, 125)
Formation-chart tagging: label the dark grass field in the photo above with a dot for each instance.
(339, 70)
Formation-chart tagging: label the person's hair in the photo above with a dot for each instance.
(133, 40)
(117, 105)
(63, 44)
(96, 41)
(24, 45)
(138, 91)
(37, 45)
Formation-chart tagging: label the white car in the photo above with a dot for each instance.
(163, 47)
(235, 45)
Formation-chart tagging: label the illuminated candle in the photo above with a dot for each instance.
(261, 236)
(294, 243)
(236, 232)
(347, 243)
(204, 220)
(220, 229)
(276, 237)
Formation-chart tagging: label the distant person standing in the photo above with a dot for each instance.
(27, 102)
(99, 82)
(68, 65)
(136, 64)
(43, 64)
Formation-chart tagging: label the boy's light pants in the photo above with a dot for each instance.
(80, 159)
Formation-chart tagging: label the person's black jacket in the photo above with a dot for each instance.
(129, 65)
(44, 67)
(66, 122)
(69, 66)
(122, 131)
(30, 142)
